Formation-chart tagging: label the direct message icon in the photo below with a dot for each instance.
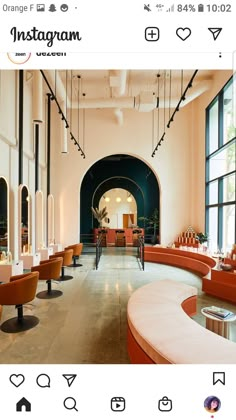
(165, 404)
(69, 378)
(118, 404)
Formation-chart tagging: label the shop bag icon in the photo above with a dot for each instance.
(165, 404)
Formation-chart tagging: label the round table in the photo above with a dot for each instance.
(217, 325)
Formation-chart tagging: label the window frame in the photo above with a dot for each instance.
(221, 204)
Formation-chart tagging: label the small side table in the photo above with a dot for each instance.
(30, 260)
(217, 325)
(45, 253)
(56, 248)
(9, 269)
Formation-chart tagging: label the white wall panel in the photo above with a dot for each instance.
(5, 159)
(28, 128)
(13, 170)
(8, 105)
(42, 139)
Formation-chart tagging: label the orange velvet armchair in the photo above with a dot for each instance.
(77, 250)
(49, 270)
(21, 289)
(67, 260)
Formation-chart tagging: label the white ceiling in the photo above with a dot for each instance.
(98, 83)
(120, 89)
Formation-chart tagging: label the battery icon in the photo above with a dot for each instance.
(200, 8)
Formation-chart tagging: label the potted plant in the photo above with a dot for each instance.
(202, 237)
(152, 221)
(99, 214)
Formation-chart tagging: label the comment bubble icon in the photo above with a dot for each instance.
(43, 380)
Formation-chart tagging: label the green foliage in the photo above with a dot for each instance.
(153, 220)
(202, 237)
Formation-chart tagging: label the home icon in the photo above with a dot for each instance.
(23, 404)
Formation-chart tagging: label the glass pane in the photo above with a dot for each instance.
(213, 128)
(223, 162)
(213, 229)
(229, 188)
(229, 128)
(228, 227)
(213, 192)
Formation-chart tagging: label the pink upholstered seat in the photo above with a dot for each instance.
(162, 332)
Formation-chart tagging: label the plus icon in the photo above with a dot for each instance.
(152, 33)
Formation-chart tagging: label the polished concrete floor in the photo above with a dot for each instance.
(87, 324)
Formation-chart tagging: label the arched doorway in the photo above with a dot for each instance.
(121, 207)
(118, 171)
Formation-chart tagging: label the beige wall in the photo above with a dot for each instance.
(178, 164)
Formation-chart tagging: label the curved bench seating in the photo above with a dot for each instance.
(197, 262)
(196, 255)
(221, 284)
(160, 331)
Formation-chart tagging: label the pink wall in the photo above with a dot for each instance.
(178, 164)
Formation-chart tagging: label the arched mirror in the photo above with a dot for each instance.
(51, 221)
(24, 220)
(121, 207)
(4, 215)
(39, 228)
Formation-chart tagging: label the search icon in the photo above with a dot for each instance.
(70, 403)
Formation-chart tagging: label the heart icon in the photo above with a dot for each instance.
(183, 33)
(17, 380)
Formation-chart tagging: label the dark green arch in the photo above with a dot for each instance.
(118, 171)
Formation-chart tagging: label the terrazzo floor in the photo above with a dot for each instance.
(87, 324)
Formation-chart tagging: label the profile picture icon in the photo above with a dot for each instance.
(212, 404)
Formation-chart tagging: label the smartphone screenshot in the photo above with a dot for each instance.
(117, 209)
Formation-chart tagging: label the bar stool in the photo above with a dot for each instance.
(120, 238)
(136, 234)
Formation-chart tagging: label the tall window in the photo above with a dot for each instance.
(221, 169)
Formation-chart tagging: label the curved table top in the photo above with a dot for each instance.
(216, 318)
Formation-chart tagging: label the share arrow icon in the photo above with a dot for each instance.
(215, 32)
(70, 378)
